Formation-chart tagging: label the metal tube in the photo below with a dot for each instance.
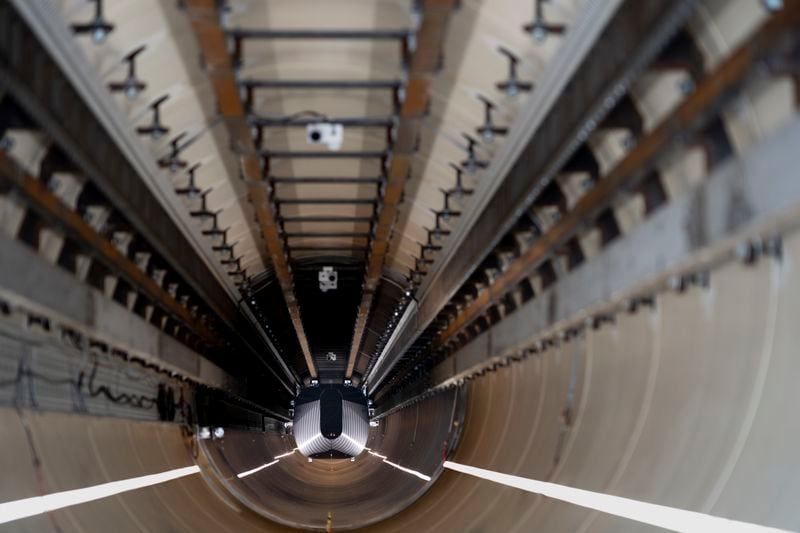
(326, 248)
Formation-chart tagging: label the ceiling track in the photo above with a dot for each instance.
(325, 179)
(302, 122)
(762, 176)
(424, 60)
(152, 260)
(767, 47)
(322, 219)
(687, 117)
(322, 234)
(251, 84)
(309, 154)
(312, 34)
(212, 39)
(605, 50)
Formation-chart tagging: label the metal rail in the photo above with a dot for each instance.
(329, 248)
(212, 38)
(50, 207)
(759, 187)
(308, 154)
(324, 201)
(425, 60)
(687, 117)
(775, 38)
(324, 234)
(312, 34)
(325, 180)
(35, 286)
(563, 111)
(321, 84)
(322, 219)
(302, 122)
(66, 101)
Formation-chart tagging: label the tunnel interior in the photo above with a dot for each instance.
(399, 265)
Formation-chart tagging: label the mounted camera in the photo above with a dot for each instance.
(328, 279)
(327, 133)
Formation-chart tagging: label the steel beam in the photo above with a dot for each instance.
(688, 117)
(321, 84)
(302, 122)
(56, 86)
(211, 37)
(39, 198)
(324, 201)
(331, 248)
(321, 219)
(607, 47)
(755, 196)
(326, 180)
(43, 82)
(313, 34)
(426, 59)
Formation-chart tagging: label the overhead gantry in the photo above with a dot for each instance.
(425, 59)
(566, 265)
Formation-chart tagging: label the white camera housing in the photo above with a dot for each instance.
(328, 279)
(327, 133)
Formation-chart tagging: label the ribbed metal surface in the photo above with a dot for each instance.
(307, 432)
(309, 438)
(355, 427)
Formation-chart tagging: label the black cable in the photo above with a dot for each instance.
(135, 400)
(288, 119)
